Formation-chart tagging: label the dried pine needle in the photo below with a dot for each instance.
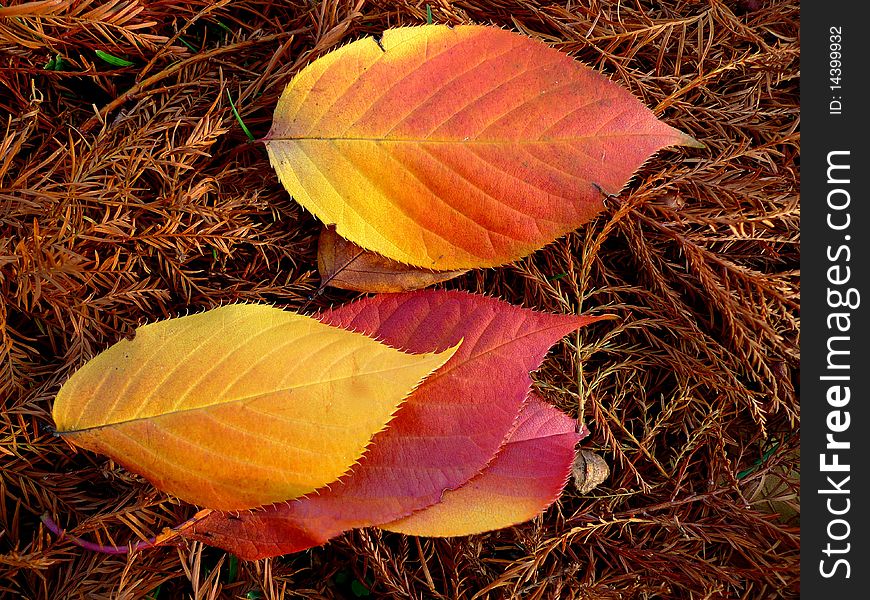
(128, 196)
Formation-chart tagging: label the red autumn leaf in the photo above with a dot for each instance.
(457, 147)
(345, 265)
(526, 476)
(448, 430)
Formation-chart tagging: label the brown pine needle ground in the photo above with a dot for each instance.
(129, 193)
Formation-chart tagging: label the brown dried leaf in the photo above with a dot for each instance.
(345, 265)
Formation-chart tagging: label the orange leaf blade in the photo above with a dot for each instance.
(454, 148)
(228, 408)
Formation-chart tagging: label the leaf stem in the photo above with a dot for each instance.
(93, 546)
(151, 542)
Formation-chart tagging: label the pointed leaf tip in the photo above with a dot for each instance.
(689, 141)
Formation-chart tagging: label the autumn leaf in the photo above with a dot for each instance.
(345, 265)
(457, 147)
(447, 431)
(239, 406)
(526, 476)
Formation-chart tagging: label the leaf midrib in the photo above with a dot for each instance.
(252, 398)
(502, 141)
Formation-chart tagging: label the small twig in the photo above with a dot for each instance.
(429, 581)
(176, 68)
(607, 196)
(168, 44)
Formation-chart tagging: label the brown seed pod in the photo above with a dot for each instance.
(589, 471)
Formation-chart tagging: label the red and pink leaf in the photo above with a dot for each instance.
(526, 476)
(448, 430)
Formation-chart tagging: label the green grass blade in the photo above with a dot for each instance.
(116, 61)
(239, 118)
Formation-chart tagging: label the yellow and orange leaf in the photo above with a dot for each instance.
(239, 406)
(454, 148)
(345, 265)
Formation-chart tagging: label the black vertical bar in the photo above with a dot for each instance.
(835, 260)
